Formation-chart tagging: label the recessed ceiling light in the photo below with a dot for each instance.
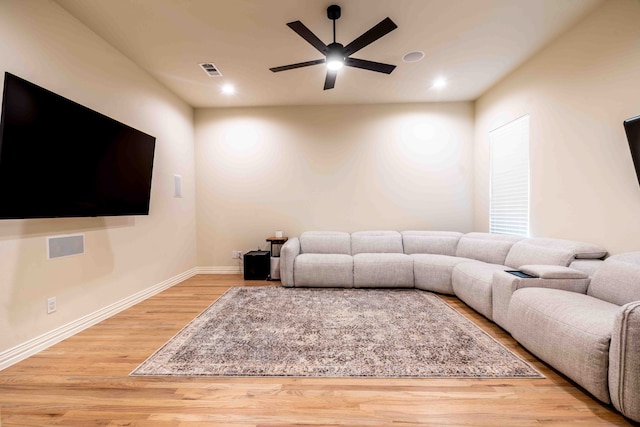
(228, 89)
(413, 56)
(439, 83)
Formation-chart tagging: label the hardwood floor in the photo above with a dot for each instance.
(84, 381)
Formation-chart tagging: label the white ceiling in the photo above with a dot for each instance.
(472, 43)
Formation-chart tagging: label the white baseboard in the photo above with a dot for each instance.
(216, 269)
(29, 348)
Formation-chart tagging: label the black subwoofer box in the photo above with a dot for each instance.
(257, 265)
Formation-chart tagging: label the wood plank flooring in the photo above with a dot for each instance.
(84, 381)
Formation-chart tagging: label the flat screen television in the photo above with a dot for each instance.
(61, 159)
(632, 128)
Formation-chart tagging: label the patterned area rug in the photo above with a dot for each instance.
(275, 331)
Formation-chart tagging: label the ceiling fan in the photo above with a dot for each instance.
(338, 55)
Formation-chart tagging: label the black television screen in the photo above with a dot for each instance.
(61, 159)
(632, 128)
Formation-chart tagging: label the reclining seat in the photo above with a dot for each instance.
(472, 280)
(434, 256)
(594, 339)
(473, 283)
(581, 258)
(324, 261)
(379, 261)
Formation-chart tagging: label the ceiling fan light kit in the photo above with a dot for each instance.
(335, 56)
(338, 55)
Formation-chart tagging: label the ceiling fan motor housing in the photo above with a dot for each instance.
(335, 50)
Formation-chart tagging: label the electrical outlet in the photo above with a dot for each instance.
(52, 305)
(236, 254)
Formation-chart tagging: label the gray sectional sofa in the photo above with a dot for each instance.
(578, 312)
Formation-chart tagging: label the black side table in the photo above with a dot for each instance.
(275, 245)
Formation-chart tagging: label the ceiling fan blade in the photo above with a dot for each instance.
(382, 28)
(298, 65)
(369, 65)
(330, 80)
(306, 34)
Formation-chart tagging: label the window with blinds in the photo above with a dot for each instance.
(509, 198)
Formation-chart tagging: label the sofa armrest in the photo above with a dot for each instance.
(288, 253)
(547, 276)
(624, 360)
(553, 272)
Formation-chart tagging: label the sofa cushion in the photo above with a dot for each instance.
(589, 266)
(618, 280)
(433, 272)
(550, 251)
(430, 242)
(539, 251)
(376, 242)
(382, 270)
(323, 270)
(491, 248)
(325, 242)
(503, 286)
(472, 283)
(570, 331)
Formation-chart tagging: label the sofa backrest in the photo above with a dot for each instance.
(551, 252)
(618, 279)
(325, 242)
(487, 247)
(376, 242)
(430, 242)
(589, 266)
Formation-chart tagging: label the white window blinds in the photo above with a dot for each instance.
(509, 198)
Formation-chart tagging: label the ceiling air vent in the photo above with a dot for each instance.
(210, 69)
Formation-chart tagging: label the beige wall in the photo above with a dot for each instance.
(39, 41)
(577, 91)
(343, 168)
(408, 166)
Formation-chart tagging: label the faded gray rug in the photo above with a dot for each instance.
(292, 332)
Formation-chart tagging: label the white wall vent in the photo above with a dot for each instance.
(211, 69)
